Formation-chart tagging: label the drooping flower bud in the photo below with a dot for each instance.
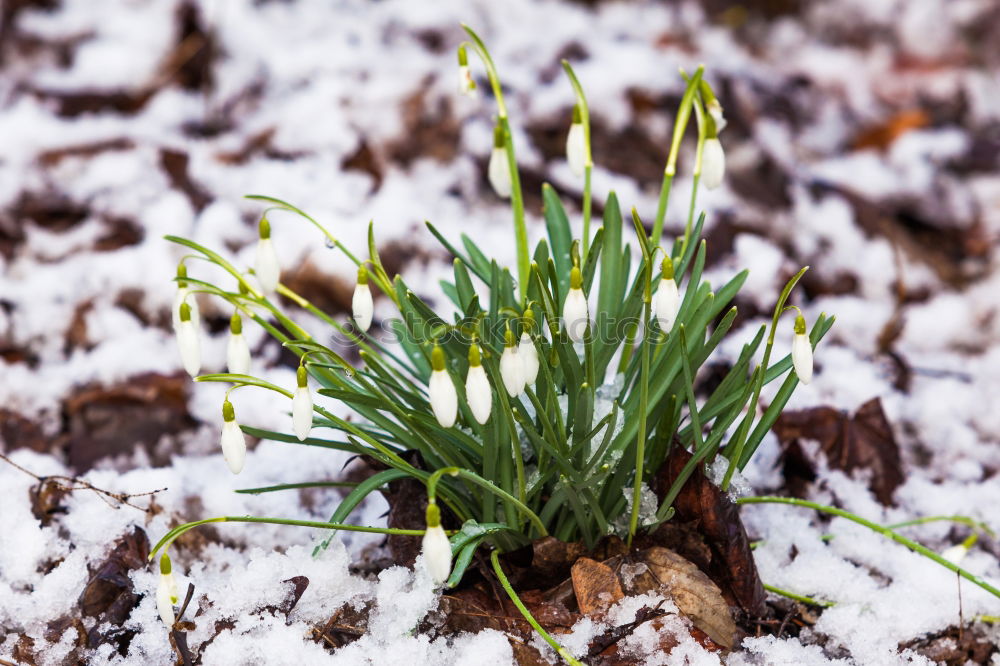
(234, 444)
(668, 298)
(444, 398)
(510, 367)
(166, 593)
(435, 547)
(576, 144)
(576, 316)
(713, 163)
(477, 387)
(184, 295)
(526, 349)
(498, 169)
(266, 265)
(802, 353)
(715, 111)
(188, 341)
(466, 84)
(237, 350)
(362, 304)
(302, 405)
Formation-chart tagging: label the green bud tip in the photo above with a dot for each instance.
(437, 358)
(498, 136)
(302, 376)
(264, 228)
(577, 115)
(474, 356)
(800, 325)
(362, 275)
(236, 324)
(575, 278)
(228, 413)
(244, 290)
(185, 312)
(433, 514)
(509, 340)
(165, 564)
(528, 320)
(182, 272)
(463, 57)
(667, 268)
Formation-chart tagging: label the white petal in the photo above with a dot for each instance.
(184, 295)
(266, 266)
(713, 164)
(234, 446)
(511, 372)
(956, 553)
(575, 315)
(302, 412)
(478, 393)
(436, 550)
(529, 359)
(499, 172)
(715, 110)
(667, 304)
(163, 602)
(238, 355)
(466, 85)
(802, 357)
(576, 149)
(444, 399)
(362, 306)
(190, 346)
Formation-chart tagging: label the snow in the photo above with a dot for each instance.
(329, 79)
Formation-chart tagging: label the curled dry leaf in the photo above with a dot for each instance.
(694, 593)
(700, 501)
(863, 442)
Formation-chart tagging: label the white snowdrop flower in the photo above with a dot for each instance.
(498, 169)
(444, 399)
(435, 547)
(511, 370)
(234, 444)
(466, 84)
(713, 163)
(266, 265)
(715, 110)
(188, 341)
(184, 295)
(529, 359)
(166, 593)
(302, 405)
(576, 317)
(361, 304)
(576, 145)
(237, 350)
(668, 298)
(802, 353)
(956, 553)
(477, 387)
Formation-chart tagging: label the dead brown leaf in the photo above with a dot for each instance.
(696, 596)
(863, 442)
(700, 501)
(109, 593)
(596, 586)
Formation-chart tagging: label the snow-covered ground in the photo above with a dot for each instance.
(863, 140)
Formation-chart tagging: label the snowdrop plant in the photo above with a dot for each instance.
(524, 411)
(166, 592)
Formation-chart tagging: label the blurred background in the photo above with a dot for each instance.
(863, 139)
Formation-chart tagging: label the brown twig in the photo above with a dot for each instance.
(71, 483)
